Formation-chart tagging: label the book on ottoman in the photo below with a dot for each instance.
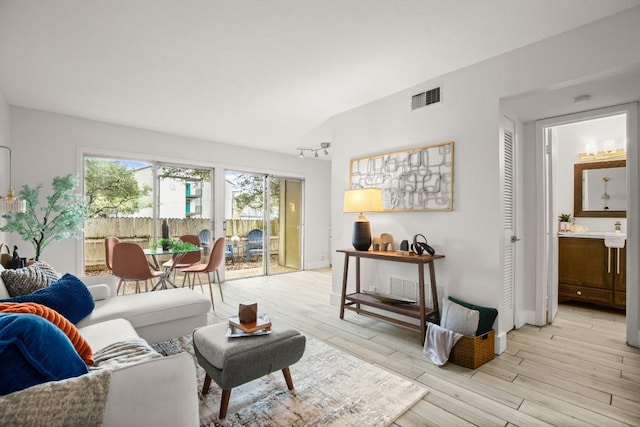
(262, 323)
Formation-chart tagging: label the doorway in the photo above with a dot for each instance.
(263, 224)
(565, 141)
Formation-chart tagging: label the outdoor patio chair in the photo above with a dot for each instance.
(130, 264)
(205, 240)
(254, 243)
(228, 253)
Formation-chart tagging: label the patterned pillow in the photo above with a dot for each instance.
(78, 341)
(23, 281)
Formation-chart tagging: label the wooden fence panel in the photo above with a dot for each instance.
(140, 231)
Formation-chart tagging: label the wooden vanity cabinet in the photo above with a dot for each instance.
(589, 271)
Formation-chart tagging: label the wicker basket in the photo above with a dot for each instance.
(472, 352)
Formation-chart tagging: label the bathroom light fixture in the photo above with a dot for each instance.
(606, 150)
(10, 204)
(323, 147)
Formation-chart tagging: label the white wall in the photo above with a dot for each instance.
(472, 235)
(4, 154)
(5, 141)
(48, 145)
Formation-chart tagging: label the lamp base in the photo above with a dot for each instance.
(361, 239)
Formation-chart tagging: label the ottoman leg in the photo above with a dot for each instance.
(206, 385)
(287, 377)
(224, 403)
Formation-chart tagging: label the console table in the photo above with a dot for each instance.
(355, 301)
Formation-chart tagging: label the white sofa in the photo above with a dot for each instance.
(156, 316)
(158, 392)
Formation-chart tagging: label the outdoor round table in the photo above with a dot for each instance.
(176, 256)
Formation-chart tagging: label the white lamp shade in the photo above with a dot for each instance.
(363, 200)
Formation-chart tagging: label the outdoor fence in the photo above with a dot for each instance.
(140, 231)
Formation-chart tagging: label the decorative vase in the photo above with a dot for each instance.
(361, 239)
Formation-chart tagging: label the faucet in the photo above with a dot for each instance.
(617, 225)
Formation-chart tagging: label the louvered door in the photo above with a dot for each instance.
(510, 239)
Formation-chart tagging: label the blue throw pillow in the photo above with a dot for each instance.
(67, 295)
(33, 351)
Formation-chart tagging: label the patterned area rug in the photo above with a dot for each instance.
(332, 388)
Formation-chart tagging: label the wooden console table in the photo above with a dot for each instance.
(418, 311)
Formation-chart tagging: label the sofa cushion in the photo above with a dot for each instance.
(32, 351)
(458, 318)
(67, 295)
(487, 315)
(99, 292)
(103, 334)
(26, 280)
(79, 343)
(148, 308)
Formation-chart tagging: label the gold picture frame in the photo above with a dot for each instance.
(415, 179)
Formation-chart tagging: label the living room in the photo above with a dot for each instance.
(48, 142)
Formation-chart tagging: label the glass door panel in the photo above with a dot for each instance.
(244, 224)
(286, 224)
(119, 193)
(184, 203)
(263, 220)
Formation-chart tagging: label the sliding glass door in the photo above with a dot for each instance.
(262, 224)
(140, 201)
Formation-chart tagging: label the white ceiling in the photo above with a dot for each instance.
(260, 73)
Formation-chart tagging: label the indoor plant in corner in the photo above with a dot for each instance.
(62, 217)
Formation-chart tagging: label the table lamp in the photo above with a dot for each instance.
(359, 201)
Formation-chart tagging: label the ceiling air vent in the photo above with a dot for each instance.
(425, 98)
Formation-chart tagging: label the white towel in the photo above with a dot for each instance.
(438, 343)
(613, 240)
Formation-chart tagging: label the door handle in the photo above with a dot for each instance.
(608, 260)
(515, 239)
(617, 260)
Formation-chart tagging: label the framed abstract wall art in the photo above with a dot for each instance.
(415, 179)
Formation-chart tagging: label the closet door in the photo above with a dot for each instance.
(507, 136)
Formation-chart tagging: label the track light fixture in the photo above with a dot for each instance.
(324, 147)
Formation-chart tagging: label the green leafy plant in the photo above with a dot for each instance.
(182, 246)
(62, 217)
(173, 244)
(564, 218)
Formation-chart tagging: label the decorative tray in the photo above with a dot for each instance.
(391, 299)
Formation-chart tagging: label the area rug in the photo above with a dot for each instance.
(332, 388)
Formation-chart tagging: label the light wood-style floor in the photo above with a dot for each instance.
(577, 371)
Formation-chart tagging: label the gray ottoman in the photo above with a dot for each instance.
(231, 362)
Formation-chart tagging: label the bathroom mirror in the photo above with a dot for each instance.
(600, 189)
